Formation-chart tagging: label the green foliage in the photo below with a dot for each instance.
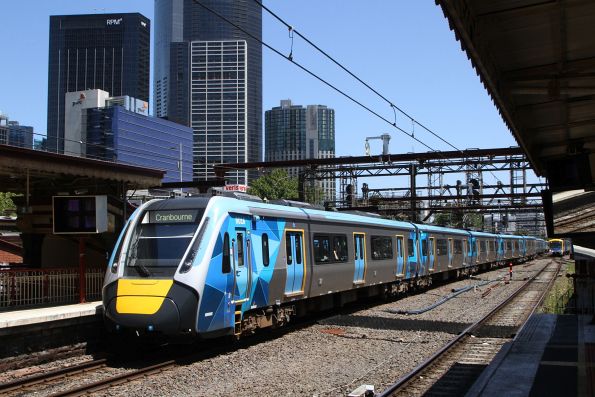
(460, 220)
(274, 186)
(7, 207)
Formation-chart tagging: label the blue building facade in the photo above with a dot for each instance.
(20, 135)
(116, 134)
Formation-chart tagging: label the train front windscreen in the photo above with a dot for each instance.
(159, 242)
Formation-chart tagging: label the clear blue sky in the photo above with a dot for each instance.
(404, 49)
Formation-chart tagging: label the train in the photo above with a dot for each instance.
(208, 267)
(559, 246)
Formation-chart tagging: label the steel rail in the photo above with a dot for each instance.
(117, 380)
(401, 382)
(52, 375)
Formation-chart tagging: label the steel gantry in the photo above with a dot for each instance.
(490, 182)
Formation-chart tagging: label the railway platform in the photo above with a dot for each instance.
(45, 315)
(553, 355)
(23, 331)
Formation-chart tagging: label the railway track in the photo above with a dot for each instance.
(454, 368)
(25, 384)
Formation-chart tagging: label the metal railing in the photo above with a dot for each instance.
(26, 288)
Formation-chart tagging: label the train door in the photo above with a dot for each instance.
(296, 263)
(431, 253)
(241, 265)
(359, 243)
(450, 251)
(400, 256)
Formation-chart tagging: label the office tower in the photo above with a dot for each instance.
(209, 77)
(20, 135)
(101, 51)
(295, 132)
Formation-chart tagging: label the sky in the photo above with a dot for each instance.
(404, 49)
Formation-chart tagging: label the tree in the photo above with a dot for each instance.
(274, 186)
(6, 205)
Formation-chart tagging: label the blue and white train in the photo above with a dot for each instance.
(210, 267)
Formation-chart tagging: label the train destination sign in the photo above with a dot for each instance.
(173, 216)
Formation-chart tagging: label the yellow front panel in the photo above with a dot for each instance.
(138, 304)
(141, 296)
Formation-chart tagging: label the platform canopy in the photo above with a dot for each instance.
(536, 59)
(38, 171)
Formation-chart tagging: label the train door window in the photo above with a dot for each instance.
(240, 241)
(322, 250)
(265, 249)
(225, 262)
(482, 246)
(361, 247)
(298, 249)
(340, 248)
(288, 249)
(410, 248)
(424, 247)
(400, 248)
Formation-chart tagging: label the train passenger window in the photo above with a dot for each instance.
(240, 241)
(322, 252)
(441, 247)
(458, 247)
(410, 248)
(382, 247)
(424, 247)
(288, 249)
(340, 248)
(265, 249)
(225, 262)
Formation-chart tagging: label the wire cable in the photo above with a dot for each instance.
(312, 74)
(391, 104)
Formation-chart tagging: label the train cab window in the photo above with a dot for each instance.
(265, 249)
(458, 247)
(340, 248)
(240, 242)
(441, 247)
(322, 249)
(382, 247)
(410, 248)
(225, 262)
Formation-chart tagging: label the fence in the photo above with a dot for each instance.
(25, 288)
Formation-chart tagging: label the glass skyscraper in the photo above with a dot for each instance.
(100, 51)
(209, 77)
(296, 133)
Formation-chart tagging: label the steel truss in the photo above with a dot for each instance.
(509, 201)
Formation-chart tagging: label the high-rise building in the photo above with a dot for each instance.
(101, 51)
(20, 135)
(295, 132)
(208, 75)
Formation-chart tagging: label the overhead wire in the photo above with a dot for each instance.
(303, 68)
(391, 104)
(290, 59)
